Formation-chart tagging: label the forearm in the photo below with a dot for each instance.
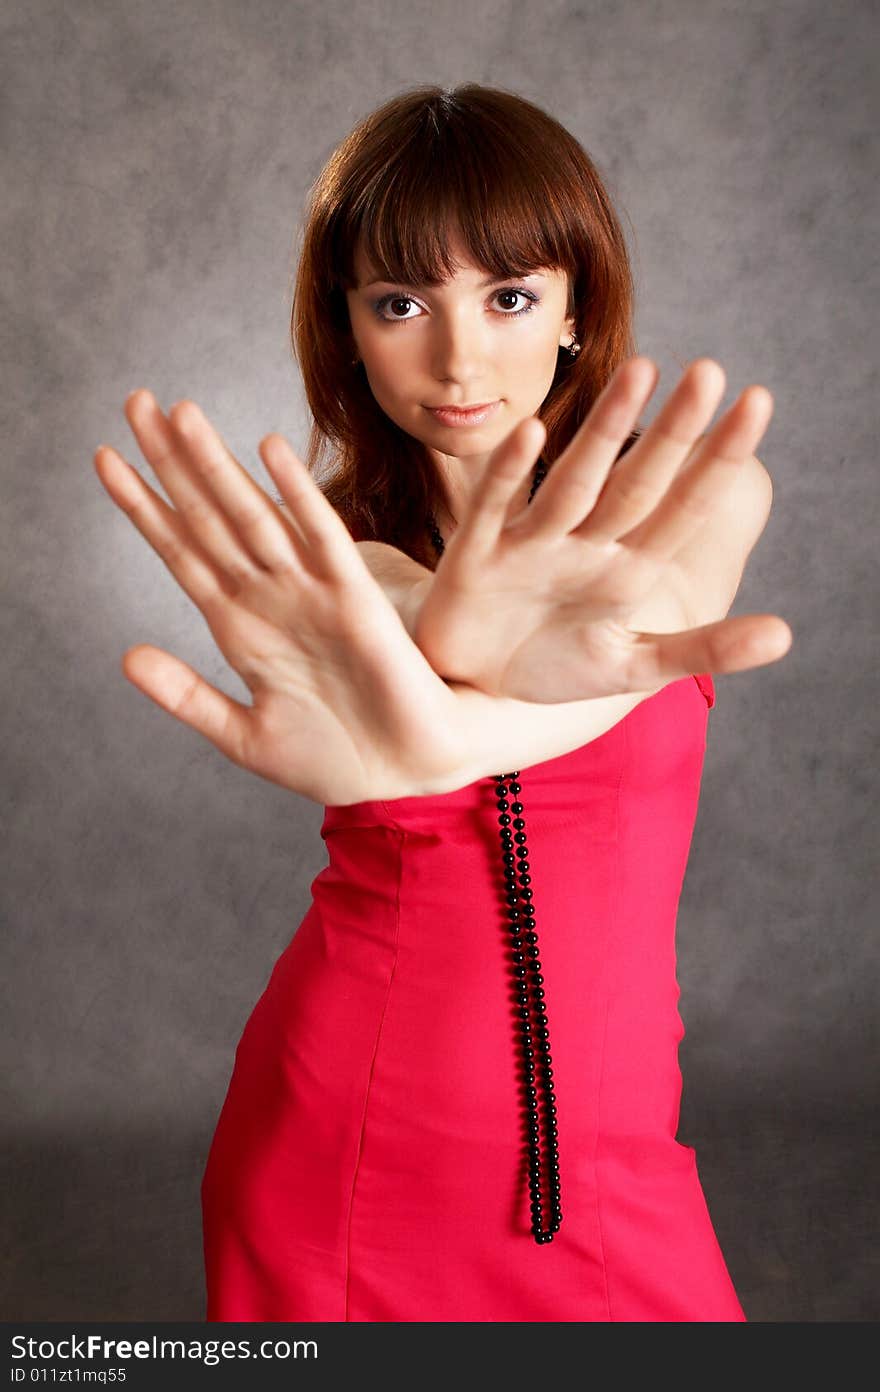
(402, 578)
(486, 734)
(499, 734)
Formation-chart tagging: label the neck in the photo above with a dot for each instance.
(458, 488)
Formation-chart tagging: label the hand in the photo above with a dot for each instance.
(538, 606)
(345, 707)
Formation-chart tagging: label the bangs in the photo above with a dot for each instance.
(476, 172)
(455, 180)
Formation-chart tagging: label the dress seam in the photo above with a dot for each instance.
(401, 839)
(596, 1167)
(624, 764)
(391, 819)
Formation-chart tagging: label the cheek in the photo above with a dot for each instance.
(548, 344)
(390, 371)
(536, 360)
(388, 376)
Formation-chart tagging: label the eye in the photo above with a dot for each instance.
(398, 298)
(527, 295)
(394, 299)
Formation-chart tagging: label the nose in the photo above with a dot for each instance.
(460, 348)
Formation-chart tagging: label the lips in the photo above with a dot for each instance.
(463, 415)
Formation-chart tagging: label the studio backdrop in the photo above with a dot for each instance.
(156, 161)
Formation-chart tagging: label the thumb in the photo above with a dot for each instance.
(179, 689)
(729, 645)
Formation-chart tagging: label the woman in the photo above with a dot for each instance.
(456, 1099)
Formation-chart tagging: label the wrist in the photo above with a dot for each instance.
(412, 604)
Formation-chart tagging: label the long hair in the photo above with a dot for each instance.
(523, 194)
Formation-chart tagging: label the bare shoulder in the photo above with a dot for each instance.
(711, 566)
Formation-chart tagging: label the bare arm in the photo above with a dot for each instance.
(523, 733)
(403, 579)
(504, 733)
(706, 580)
(346, 705)
(520, 734)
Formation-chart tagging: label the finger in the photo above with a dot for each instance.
(730, 645)
(697, 491)
(488, 509)
(325, 545)
(178, 689)
(160, 525)
(167, 453)
(579, 475)
(640, 482)
(264, 533)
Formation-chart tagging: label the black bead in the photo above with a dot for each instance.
(521, 911)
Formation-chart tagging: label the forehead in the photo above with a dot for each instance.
(465, 270)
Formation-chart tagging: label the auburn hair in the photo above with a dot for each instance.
(522, 193)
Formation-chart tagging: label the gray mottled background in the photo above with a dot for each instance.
(156, 159)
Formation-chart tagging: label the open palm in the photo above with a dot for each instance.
(538, 606)
(345, 707)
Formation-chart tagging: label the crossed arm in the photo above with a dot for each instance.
(709, 569)
(534, 635)
(699, 591)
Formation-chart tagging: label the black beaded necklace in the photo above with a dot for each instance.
(534, 1037)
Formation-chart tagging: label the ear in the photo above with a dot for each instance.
(566, 333)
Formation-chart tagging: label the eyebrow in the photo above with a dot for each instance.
(483, 284)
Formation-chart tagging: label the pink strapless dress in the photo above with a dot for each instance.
(369, 1162)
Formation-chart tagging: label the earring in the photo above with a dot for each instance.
(574, 347)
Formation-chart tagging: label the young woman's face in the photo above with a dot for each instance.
(464, 343)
